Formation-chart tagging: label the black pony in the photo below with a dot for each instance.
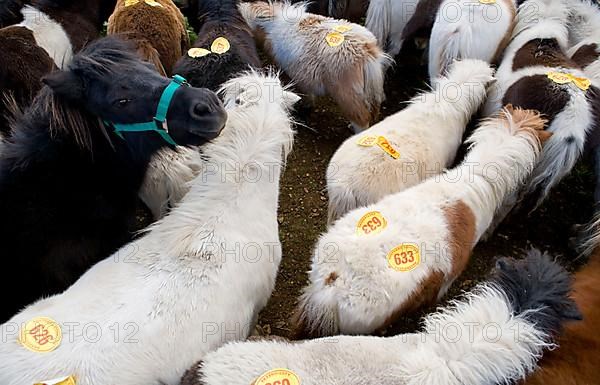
(10, 12)
(219, 19)
(69, 182)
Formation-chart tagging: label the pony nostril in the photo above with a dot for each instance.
(201, 110)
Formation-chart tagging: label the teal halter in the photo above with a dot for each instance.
(158, 124)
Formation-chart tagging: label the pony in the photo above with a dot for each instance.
(323, 56)
(51, 31)
(220, 21)
(10, 12)
(465, 29)
(70, 173)
(576, 359)
(426, 134)
(159, 30)
(526, 301)
(352, 10)
(395, 21)
(536, 73)
(168, 175)
(382, 261)
(198, 277)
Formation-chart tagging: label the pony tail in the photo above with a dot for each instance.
(316, 314)
(591, 240)
(379, 21)
(148, 53)
(374, 76)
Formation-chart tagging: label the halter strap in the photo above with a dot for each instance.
(159, 121)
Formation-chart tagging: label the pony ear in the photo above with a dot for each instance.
(65, 84)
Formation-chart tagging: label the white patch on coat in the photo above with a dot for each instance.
(196, 280)
(477, 341)
(427, 134)
(49, 35)
(387, 19)
(464, 29)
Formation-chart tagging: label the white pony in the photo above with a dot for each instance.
(426, 134)
(494, 335)
(466, 29)
(418, 241)
(197, 279)
(387, 20)
(350, 69)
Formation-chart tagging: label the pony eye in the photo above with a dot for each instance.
(123, 102)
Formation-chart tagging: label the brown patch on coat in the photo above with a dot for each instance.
(539, 93)
(148, 53)
(508, 35)
(461, 225)
(586, 55)
(22, 65)
(310, 21)
(192, 375)
(425, 294)
(421, 23)
(352, 105)
(331, 279)
(577, 359)
(546, 52)
(162, 27)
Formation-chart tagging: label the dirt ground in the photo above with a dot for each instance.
(303, 205)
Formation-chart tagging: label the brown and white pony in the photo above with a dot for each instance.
(536, 73)
(323, 56)
(158, 28)
(50, 33)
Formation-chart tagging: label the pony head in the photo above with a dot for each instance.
(109, 81)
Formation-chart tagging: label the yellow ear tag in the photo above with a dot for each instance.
(70, 380)
(582, 83)
(405, 257)
(198, 52)
(334, 39)
(367, 141)
(487, 1)
(559, 77)
(41, 335)
(387, 147)
(153, 3)
(279, 377)
(371, 223)
(129, 3)
(220, 46)
(343, 28)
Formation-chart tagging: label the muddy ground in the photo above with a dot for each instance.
(303, 205)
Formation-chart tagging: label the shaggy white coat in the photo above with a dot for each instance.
(458, 346)
(351, 73)
(464, 29)
(48, 34)
(427, 134)
(387, 19)
(367, 293)
(570, 126)
(168, 178)
(196, 280)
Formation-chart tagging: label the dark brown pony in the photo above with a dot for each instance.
(51, 32)
(158, 30)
